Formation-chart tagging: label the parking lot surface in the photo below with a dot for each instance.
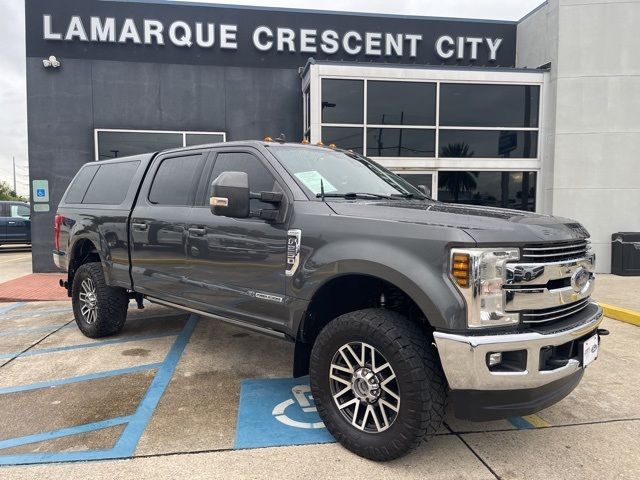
(177, 396)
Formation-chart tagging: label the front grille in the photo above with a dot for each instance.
(555, 252)
(554, 313)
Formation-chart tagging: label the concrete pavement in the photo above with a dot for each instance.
(161, 400)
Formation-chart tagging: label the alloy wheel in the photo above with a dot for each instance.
(364, 387)
(88, 301)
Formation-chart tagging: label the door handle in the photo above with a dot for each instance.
(11, 223)
(140, 226)
(198, 231)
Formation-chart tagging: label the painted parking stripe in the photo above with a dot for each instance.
(536, 421)
(42, 351)
(528, 422)
(11, 307)
(276, 412)
(24, 331)
(37, 313)
(130, 437)
(128, 441)
(80, 378)
(63, 432)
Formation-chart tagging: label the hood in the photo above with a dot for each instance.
(484, 224)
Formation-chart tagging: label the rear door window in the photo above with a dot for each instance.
(176, 180)
(111, 183)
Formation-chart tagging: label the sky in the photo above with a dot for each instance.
(13, 109)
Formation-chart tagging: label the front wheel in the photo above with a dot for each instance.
(377, 383)
(100, 310)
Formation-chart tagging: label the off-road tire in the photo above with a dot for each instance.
(111, 303)
(421, 382)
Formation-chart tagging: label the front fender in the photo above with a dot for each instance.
(418, 274)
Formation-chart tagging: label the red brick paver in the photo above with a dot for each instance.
(37, 286)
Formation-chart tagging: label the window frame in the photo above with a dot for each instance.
(312, 76)
(202, 194)
(204, 156)
(184, 134)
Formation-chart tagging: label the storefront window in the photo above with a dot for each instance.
(488, 144)
(400, 142)
(486, 105)
(342, 101)
(419, 179)
(347, 138)
(401, 103)
(122, 143)
(194, 139)
(515, 190)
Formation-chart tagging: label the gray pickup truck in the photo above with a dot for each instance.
(395, 302)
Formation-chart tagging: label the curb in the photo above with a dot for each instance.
(621, 314)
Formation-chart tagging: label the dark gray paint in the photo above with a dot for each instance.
(66, 104)
(405, 243)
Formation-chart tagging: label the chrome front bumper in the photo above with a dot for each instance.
(464, 358)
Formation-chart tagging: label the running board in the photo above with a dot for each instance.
(237, 323)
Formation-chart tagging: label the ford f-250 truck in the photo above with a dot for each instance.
(395, 302)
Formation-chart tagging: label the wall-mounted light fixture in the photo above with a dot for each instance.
(51, 62)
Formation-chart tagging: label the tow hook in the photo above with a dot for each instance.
(64, 284)
(603, 332)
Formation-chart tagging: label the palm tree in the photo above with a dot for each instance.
(456, 182)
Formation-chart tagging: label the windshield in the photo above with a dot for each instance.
(342, 174)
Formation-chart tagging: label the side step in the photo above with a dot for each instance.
(238, 323)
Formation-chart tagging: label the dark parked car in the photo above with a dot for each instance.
(15, 222)
(394, 301)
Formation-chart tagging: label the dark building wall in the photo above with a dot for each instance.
(65, 105)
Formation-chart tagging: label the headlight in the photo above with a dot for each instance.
(479, 274)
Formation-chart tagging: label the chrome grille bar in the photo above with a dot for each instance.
(555, 252)
(555, 313)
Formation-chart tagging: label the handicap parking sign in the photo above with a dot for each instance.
(41, 192)
(276, 412)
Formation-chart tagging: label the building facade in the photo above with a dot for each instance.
(479, 112)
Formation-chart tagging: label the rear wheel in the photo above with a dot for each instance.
(377, 383)
(100, 310)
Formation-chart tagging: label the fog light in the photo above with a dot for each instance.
(495, 359)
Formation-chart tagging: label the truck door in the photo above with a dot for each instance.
(238, 265)
(158, 227)
(18, 224)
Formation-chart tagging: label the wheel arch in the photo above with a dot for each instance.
(82, 251)
(348, 292)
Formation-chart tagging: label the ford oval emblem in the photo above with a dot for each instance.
(580, 278)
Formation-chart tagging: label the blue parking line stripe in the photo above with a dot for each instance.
(62, 432)
(136, 423)
(42, 351)
(80, 378)
(130, 436)
(520, 423)
(53, 457)
(13, 306)
(37, 313)
(23, 331)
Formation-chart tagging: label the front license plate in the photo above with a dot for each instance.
(589, 350)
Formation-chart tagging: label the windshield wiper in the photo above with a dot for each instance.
(410, 195)
(353, 195)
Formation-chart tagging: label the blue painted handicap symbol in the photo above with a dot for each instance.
(40, 192)
(276, 412)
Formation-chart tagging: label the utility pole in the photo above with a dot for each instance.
(15, 187)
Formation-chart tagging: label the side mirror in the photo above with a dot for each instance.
(424, 189)
(230, 195)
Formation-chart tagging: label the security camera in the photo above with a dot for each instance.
(52, 61)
